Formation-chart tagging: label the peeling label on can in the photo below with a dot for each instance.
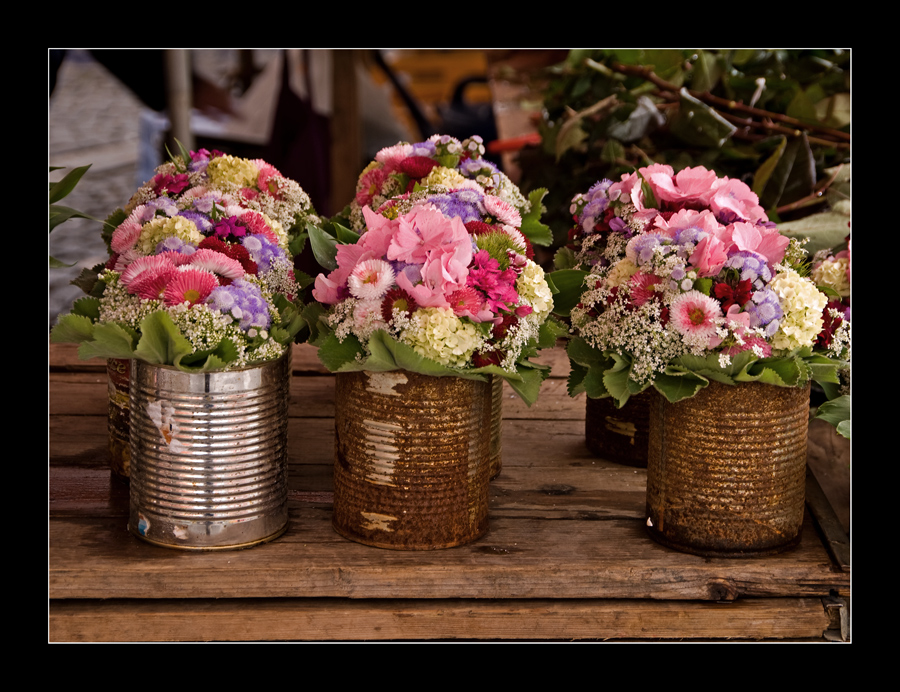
(377, 522)
(384, 382)
(162, 414)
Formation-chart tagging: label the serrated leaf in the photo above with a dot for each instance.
(110, 340)
(72, 329)
(161, 343)
(87, 306)
(335, 354)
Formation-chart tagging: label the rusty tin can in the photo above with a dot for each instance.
(496, 425)
(118, 371)
(619, 434)
(726, 474)
(209, 455)
(412, 459)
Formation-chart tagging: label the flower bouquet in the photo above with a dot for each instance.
(691, 289)
(200, 297)
(201, 273)
(439, 291)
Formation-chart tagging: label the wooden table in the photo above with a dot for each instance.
(566, 557)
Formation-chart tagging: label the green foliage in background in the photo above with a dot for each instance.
(777, 119)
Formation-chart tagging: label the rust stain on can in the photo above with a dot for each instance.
(411, 459)
(118, 371)
(619, 434)
(726, 473)
(496, 425)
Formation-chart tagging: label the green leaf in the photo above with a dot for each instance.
(161, 343)
(344, 235)
(569, 285)
(324, 247)
(88, 306)
(706, 71)
(532, 228)
(60, 189)
(60, 214)
(529, 386)
(59, 264)
(837, 413)
(110, 340)
(698, 124)
(72, 329)
(575, 381)
(336, 355)
(676, 386)
(824, 230)
(550, 331)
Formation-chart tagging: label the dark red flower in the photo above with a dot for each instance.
(737, 295)
(416, 167)
(481, 360)
(399, 299)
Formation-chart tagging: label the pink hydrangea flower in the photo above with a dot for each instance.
(735, 196)
(709, 256)
(768, 242)
(690, 186)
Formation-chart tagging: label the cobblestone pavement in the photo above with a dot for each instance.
(93, 119)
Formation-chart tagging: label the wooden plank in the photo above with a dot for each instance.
(318, 619)
(520, 557)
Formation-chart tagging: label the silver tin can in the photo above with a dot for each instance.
(209, 455)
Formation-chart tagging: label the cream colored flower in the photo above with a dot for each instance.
(438, 334)
(802, 304)
(162, 227)
(230, 170)
(833, 273)
(533, 288)
(621, 272)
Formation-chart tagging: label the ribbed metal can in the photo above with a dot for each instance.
(618, 434)
(209, 455)
(118, 373)
(412, 459)
(496, 425)
(726, 473)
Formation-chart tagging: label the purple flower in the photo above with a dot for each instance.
(244, 302)
(262, 251)
(230, 227)
(204, 225)
(174, 244)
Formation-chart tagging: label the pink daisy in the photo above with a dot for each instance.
(190, 286)
(370, 279)
(642, 287)
(469, 302)
(257, 225)
(128, 232)
(695, 316)
(152, 284)
(153, 263)
(217, 263)
(502, 210)
(369, 185)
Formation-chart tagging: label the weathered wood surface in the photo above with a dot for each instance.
(566, 555)
(319, 619)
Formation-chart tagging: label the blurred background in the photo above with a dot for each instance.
(553, 119)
